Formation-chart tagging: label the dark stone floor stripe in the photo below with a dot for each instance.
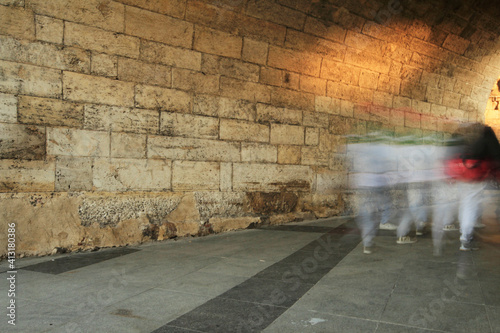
(255, 303)
(79, 260)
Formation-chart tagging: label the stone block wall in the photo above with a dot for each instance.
(123, 121)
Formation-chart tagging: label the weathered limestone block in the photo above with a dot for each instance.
(287, 134)
(313, 85)
(17, 22)
(314, 156)
(43, 222)
(127, 145)
(232, 20)
(30, 80)
(26, 176)
(221, 204)
(315, 119)
(108, 209)
(121, 119)
(199, 82)
(70, 142)
(312, 136)
(271, 76)
(186, 211)
(192, 149)
(206, 105)
(73, 174)
(157, 27)
(274, 12)
(236, 108)
(150, 97)
(43, 54)
(260, 153)
(331, 142)
(8, 108)
(217, 42)
(243, 131)
(94, 89)
(327, 104)
(230, 67)
(289, 154)
(169, 55)
(22, 142)
(323, 205)
(91, 38)
(329, 31)
(250, 91)
(49, 29)
(358, 58)
(188, 125)
(329, 182)
(268, 113)
(131, 175)
(295, 61)
(270, 203)
(219, 224)
(255, 51)
(226, 176)
(125, 232)
(141, 72)
(292, 99)
(104, 64)
(305, 42)
(52, 112)
(269, 177)
(108, 15)
(195, 175)
(173, 8)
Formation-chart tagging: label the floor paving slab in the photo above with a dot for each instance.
(309, 276)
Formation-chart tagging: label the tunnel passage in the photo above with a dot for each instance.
(128, 120)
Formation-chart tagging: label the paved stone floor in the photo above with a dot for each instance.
(301, 277)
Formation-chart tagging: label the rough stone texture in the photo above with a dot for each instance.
(226, 224)
(188, 125)
(215, 101)
(26, 176)
(120, 119)
(271, 177)
(221, 204)
(92, 89)
(22, 142)
(108, 209)
(51, 112)
(192, 149)
(44, 54)
(49, 29)
(191, 176)
(156, 27)
(270, 203)
(100, 40)
(131, 175)
(30, 80)
(243, 131)
(69, 142)
(73, 174)
(150, 97)
(8, 108)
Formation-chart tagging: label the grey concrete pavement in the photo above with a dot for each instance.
(301, 277)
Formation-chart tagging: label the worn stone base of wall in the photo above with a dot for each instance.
(48, 223)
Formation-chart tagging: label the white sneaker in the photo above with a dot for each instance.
(387, 226)
(367, 250)
(406, 240)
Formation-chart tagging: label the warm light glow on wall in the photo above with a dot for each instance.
(492, 115)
